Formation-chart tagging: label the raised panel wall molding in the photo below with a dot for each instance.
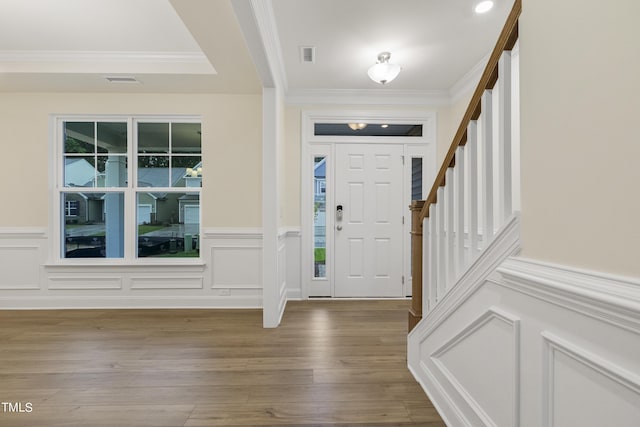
(87, 283)
(20, 266)
(483, 320)
(554, 345)
(236, 266)
(579, 335)
(164, 282)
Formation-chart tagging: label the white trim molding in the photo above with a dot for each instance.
(105, 62)
(23, 233)
(609, 298)
(425, 98)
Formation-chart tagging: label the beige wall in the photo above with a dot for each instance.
(580, 105)
(282, 162)
(291, 206)
(231, 136)
(453, 119)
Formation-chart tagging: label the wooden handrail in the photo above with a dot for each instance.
(506, 41)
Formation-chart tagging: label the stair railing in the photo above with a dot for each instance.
(473, 193)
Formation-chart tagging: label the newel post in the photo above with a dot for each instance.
(415, 312)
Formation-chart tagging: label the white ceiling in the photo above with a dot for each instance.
(198, 46)
(435, 41)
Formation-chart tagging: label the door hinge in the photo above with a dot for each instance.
(402, 160)
(403, 279)
(402, 219)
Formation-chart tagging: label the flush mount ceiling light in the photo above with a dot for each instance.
(383, 72)
(484, 6)
(357, 126)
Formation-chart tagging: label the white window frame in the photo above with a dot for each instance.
(67, 208)
(57, 188)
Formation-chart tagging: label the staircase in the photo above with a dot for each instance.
(497, 339)
(475, 194)
(465, 229)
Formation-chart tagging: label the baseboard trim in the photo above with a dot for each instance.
(438, 396)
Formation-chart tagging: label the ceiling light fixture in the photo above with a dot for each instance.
(484, 6)
(382, 71)
(357, 126)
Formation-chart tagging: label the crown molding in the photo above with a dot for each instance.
(430, 98)
(435, 98)
(105, 62)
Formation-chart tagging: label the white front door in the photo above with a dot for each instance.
(368, 237)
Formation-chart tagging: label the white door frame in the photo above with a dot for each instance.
(313, 145)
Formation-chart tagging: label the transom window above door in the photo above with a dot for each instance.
(367, 129)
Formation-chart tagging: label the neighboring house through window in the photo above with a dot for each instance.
(129, 187)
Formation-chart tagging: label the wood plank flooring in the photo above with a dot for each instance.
(330, 363)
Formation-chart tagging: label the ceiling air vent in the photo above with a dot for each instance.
(121, 79)
(307, 54)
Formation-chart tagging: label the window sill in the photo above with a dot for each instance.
(159, 264)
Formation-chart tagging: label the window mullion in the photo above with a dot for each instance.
(129, 197)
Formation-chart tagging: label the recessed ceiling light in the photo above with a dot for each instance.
(384, 126)
(484, 6)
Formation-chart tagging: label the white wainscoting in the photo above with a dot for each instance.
(294, 285)
(524, 343)
(22, 254)
(230, 275)
(282, 272)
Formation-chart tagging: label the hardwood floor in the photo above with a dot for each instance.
(330, 363)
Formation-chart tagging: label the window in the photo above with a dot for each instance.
(319, 217)
(132, 187)
(416, 178)
(367, 129)
(71, 208)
